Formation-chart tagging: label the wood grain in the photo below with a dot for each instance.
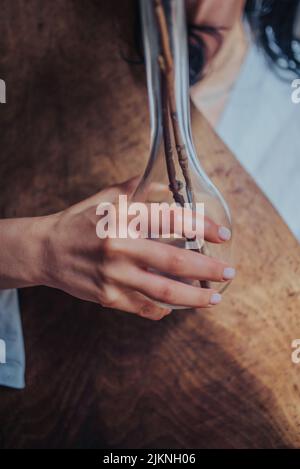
(76, 120)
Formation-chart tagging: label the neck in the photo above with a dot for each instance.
(210, 95)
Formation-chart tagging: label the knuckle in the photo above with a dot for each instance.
(108, 297)
(110, 246)
(108, 303)
(166, 293)
(176, 262)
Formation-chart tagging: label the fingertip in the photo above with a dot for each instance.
(229, 273)
(162, 313)
(215, 299)
(224, 233)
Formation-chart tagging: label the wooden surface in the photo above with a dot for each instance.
(76, 120)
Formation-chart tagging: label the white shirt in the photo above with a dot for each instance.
(261, 125)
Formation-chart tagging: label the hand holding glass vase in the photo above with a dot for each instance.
(173, 162)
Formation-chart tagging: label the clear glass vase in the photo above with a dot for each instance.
(166, 59)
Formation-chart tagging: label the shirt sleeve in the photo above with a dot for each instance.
(12, 355)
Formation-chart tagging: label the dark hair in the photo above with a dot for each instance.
(273, 26)
(272, 23)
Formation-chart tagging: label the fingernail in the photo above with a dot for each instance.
(215, 298)
(224, 233)
(229, 273)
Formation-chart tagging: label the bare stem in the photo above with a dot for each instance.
(167, 68)
(169, 109)
(174, 185)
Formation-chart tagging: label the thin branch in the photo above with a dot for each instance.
(168, 70)
(169, 108)
(174, 185)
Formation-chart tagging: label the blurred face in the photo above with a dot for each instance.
(221, 14)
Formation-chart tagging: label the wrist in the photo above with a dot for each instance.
(23, 244)
(32, 252)
(42, 231)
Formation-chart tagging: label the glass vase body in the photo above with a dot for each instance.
(203, 190)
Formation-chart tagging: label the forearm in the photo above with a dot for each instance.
(22, 247)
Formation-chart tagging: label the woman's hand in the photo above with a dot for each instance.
(64, 252)
(113, 272)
